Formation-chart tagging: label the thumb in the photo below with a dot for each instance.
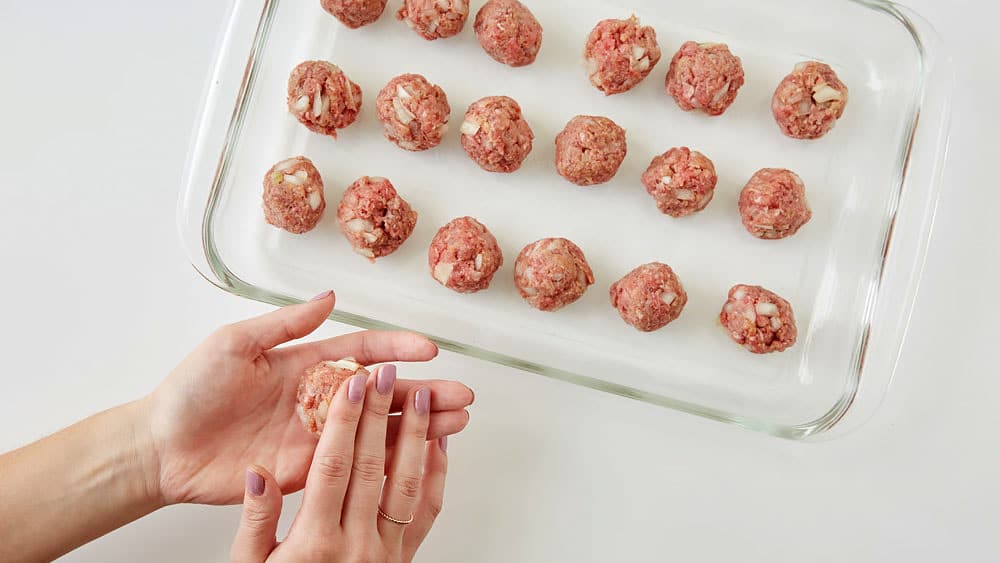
(260, 334)
(255, 538)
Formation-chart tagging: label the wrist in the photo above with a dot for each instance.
(141, 462)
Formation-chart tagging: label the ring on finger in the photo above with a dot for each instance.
(382, 514)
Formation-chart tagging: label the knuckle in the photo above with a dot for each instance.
(434, 507)
(408, 486)
(378, 408)
(345, 416)
(418, 433)
(256, 518)
(333, 466)
(369, 468)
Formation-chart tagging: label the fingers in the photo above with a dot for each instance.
(329, 474)
(441, 424)
(361, 502)
(402, 485)
(254, 336)
(431, 496)
(445, 395)
(367, 347)
(255, 538)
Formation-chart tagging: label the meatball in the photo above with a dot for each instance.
(495, 134)
(322, 98)
(590, 149)
(552, 273)
(682, 181)
(354, 13)
(375, 220)
(773, 204)
(508, 32)
(704, 76)
(414, 113)
(434, 19)
(464, 255)
(293, 195)
(317, 388)
(809, 101)
(758, 319)
(619, 54)
(649, 297)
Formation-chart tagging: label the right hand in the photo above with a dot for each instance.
(339, 518)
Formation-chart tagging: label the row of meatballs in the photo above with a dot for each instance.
(549, 274)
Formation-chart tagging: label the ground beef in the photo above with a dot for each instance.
(704, 76)
(318, 387)
(495, 134)
(773, 204)
(375, 220)
(464, 255)
(758, 319)
(552, 273)
(809, 101)
(619, 54)
(649, 297)
(355, 13)
(590, 149)
(681, 181)
(414, 113)
(293, 195)
(434, 19)
(508, 32)
(322, 98)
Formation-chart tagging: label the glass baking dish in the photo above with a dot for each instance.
(851, 274)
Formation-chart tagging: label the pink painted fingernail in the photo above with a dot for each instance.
(255, 483)
(356, 388)
(443, 443)
(385, 379)
(422, 400)
(322, 296)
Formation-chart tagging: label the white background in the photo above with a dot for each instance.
(96, 110)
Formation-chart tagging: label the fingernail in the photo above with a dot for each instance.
(443, 443)
(255, 483)
(322, 296)
(385, 379)
(356, 388)
(471, 390)
(422, 400)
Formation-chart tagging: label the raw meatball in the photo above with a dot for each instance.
(414, 113)
(322, 98)
(496, 135)
(293, 195)
(809, 101)
(464, 255)
(758, 319)
(375, 220)
(682, 181)
(619, 54)
(649, 297)
(773, 204)
(354, 13)
(508, 32)
(434, 19)
(317, 388)
(552, 273)
(590, 149)
(704, 76)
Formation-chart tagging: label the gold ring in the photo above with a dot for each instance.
(382, 514)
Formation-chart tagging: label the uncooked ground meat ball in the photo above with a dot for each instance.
(375, 220)
(322, 98)
(293, 195)
(414, 113)
(317, 388)
(809, 101)
(682, 181)
(354, 13)
(590, 150)
(758, 319)
(552, 273)
(773, 204)
(464, 255)
(649, 297)
(508, 32)
(495, 134)
(704, 76)
(434, 19)
(619, 54)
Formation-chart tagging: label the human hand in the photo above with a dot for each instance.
(339, 520)
(231, 402)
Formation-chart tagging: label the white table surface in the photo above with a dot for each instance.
(96, 110)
